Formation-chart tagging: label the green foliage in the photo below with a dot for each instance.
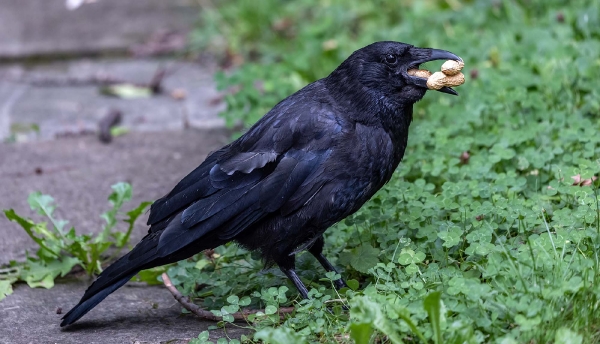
(204, 336)
(281, 335)
(481, 236)
(60, 250)
(361, 258)
(5, 288)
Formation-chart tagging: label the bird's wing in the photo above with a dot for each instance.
(232, 196)
(262, 173)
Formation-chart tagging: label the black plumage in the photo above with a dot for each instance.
(312, 160)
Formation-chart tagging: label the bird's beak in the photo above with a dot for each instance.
(422, 55)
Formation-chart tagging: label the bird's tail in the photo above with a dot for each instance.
(85, 306)
(145, 255)
(113, 277)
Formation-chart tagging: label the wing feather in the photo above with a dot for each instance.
(247, 162)
(272, 170)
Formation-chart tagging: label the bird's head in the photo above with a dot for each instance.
(381, 68)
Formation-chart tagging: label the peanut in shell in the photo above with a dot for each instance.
(451, 67)
(438, 80)
(421, 73)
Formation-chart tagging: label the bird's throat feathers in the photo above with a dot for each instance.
(370, 107)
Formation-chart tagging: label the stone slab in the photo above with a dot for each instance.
(135, 313)
(79, 171)
(41, 27)
(46, 97)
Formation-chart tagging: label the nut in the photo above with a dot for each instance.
(439, 80)
(451, 67)
(449, 76)
(178, 94)
(421, 73)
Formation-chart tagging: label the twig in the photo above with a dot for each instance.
(155, 83)
(96, 79)
(204, 314)
(111, 119)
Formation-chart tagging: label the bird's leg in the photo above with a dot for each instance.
(317, 251)
(288, 266)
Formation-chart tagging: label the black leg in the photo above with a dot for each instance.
(289, 269)
(291, 274)
(317, 251)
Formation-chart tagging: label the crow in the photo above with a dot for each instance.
(311, 161)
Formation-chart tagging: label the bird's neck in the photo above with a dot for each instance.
(365, 106)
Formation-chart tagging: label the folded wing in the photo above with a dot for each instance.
(235, 193)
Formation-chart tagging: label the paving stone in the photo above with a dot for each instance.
(78, 172)
(63, 107)
(39, 27)
(133, 314)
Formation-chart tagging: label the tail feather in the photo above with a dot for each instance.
(85, 306)
(116, 275)
(143, 256)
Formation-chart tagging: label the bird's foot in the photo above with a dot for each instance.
(340, 283)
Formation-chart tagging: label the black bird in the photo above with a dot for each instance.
(312, 160)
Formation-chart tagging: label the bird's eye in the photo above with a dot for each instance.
(391, 59)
